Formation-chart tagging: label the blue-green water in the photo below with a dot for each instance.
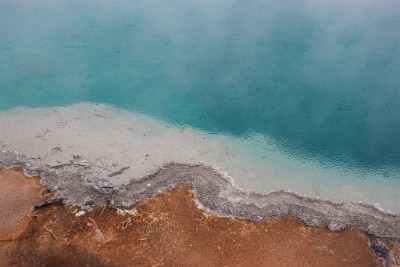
(321, 77)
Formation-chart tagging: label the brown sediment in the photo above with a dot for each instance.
(394, 248)
(18, 196)
(167, 230)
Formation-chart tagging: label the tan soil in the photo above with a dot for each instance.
(168, 230)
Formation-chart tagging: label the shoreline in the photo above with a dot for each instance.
(214, 193)
(112, 147)
(168, 229)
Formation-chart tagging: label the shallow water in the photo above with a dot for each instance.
(305, 92)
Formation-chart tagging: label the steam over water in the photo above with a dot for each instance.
(318, 79)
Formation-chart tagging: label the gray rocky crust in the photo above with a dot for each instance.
(214, 193)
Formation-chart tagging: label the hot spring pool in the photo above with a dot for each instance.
(300, 95)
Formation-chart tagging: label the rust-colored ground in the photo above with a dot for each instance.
(18, 196)
(168, 230)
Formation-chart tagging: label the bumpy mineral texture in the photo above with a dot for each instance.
(167, 230)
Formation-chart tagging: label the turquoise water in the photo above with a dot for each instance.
(320, 77)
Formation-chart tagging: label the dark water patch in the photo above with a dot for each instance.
(382, 252)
